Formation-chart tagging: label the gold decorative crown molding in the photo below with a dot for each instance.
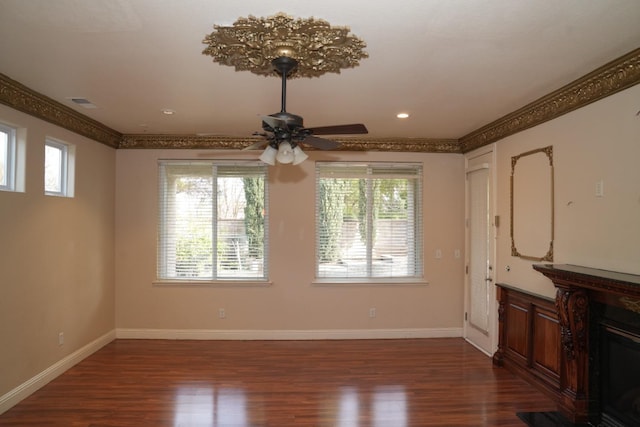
(415, 145)
(250, 44)
(20, 97)
(613, 77)
(607, 80)
(163, 141)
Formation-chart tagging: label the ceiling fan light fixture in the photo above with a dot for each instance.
(299, 156)
(268, 156)
(285, 153)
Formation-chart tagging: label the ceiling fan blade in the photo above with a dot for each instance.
(320, 143)
(256, 145)
(274, 122)
(339, 129)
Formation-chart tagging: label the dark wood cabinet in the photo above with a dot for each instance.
(546, 339)
(529, 337)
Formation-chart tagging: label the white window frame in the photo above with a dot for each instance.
(166, 269)
(415, 275)
(9, 183)
(66, 168)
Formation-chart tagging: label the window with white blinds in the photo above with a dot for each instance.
(213, 221)
(368, 220)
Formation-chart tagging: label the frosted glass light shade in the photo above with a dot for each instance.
(285, 153)
(269, 155)
(299, 156)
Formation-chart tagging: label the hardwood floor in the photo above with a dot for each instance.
(388, 383)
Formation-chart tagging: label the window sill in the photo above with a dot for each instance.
(61, 195)
(214, 283)
(369, 282)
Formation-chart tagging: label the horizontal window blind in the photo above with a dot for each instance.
(212, 220)
(368, 220)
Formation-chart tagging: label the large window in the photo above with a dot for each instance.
(7, 157)
(58, 168)
(213, 221)
(368, 221)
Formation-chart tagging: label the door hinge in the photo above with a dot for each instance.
(465, 316)
(466, 269)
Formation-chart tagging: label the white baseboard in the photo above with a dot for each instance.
(10, 399)
(328, 334)
(479, 348)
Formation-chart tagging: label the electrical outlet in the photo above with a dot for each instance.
(372, 312)
(600, 188)
(221, 313)
(438, 253)
(61, 338)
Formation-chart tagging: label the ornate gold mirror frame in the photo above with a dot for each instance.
(532, 205)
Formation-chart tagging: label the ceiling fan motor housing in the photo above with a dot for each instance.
(292, 121)
(292, 129)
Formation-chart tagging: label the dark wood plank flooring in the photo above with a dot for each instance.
(382, 383)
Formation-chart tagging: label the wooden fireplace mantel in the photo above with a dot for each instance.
(599, 282)
(576, 288)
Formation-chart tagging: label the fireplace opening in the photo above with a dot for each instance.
(619, 375)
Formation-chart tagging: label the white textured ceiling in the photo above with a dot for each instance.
(454, 65)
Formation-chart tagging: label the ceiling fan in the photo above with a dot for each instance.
(283, 132)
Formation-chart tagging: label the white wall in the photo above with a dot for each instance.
(598, 142)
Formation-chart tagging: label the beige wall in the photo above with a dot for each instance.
(291, 302)
(598, 142)
(56, 257)
(58, 269)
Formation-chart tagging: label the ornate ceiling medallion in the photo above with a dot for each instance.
(252, 43)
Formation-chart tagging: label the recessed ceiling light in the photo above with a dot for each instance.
(168, 111)
(402, 115)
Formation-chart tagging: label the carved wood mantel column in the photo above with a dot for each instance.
(573, 304)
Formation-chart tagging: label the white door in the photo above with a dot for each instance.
(480, 316)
